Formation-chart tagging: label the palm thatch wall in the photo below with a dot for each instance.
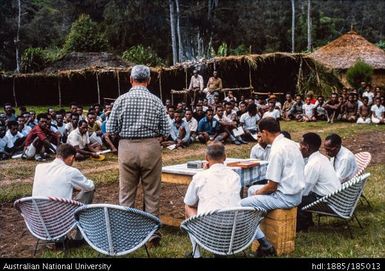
(277, 72)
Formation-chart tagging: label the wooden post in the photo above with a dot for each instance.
(160, 85)
(117, 75)
(14, 90)
(59, 90)
(250, 81)
(98, 87)
(299, 77)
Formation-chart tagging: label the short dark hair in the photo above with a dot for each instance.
(269, 124)
(80, 123)
(252, 108)
(7, 104)
(209, 110)
(12, 123)
(42, 116)
(216, 151)
(286, 134)
(313, 140)
(91, 113)
(178, 112)
(74, 115)
(65, 151)
(335, 140)
(19, 117)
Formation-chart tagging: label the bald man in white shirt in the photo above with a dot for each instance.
(320, 178)
(285, 175)
(215, 188)
(342, 159)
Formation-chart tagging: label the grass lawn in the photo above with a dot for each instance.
(331, 239)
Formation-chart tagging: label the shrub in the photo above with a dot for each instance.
(359, 72)
(84, 36)
(140, 55)
(33, 60)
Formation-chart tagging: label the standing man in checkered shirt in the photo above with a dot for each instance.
(140, 120)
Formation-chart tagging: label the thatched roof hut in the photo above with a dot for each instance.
(276, 72)
(343, 52)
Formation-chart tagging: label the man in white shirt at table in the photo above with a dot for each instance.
(285, 178)
(58, 179)
(320, 178)
(342, 159)
(217, 187)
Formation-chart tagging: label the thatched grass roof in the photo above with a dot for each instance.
(81, 60)
(344, 52)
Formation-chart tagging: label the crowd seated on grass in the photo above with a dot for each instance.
(210, 117)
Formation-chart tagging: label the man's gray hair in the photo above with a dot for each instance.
(140, 73)
(216, 151)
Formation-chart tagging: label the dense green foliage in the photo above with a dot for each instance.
(254, 26)
(360, 72)
(84, 36)
(140, 55)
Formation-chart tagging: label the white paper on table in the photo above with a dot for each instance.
(105, 151)
(238, 131)
(171, 147)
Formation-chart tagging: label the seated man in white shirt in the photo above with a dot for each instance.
(217, 187)
(58, 179)
(249, 121)
(4, 151)
(192, 124)
(285, 178)
(320, 178)
(15, 138)
(261, 151)
(80, 139)
(342, 159)
(378, 112)
(272, 112)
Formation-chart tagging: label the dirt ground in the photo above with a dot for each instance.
(16, 241)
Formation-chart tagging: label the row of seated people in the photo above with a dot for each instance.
(37, 136)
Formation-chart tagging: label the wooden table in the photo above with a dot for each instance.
(181, 175)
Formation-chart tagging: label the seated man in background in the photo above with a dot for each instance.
(332, 108)
(192, 124)
(342, 159)
(364, 112)
(320, 111)
(261, 151)
(14, 137)
(273, 112)
(309, 111)
(179, 133)
(94, 131)
(4, 151)
(80, 139)
(38, 141)
(320, 178)
(296, 111)
(287, 105)
(58, 179)
(215, 188)
(23, 129)
(249, 121)
(378, 112)
(208, 128)
(349, 109)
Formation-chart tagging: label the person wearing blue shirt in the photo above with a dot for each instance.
(208, 128)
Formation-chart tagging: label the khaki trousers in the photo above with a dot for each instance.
(140, 160)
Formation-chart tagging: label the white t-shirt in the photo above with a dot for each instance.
(12, 138)
(274, 114)
(377, 111)
(308, 109)
(58, 180)
(76, 139)
(286, 166)
(215, 188)
(192, 124)
(257, 152)
(250, 122)
(320, 176)
(344, 164)
(26, 130)
(370, 96)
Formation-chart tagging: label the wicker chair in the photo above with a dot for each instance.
(225, 231)
(363, 159)
(48, 218)
(341, 203)
(115, 230)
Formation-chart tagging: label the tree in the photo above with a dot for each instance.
(173, 35)
(85, 37)
(292, 26)
(309, 24)
(17, 40)
(359, 72)
(180, 43)
(139, 55)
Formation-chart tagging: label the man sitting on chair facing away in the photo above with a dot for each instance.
(215, 188)
(58, 179)
(285, 178)
(320, 178)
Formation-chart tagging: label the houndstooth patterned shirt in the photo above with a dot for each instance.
(138, 114)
